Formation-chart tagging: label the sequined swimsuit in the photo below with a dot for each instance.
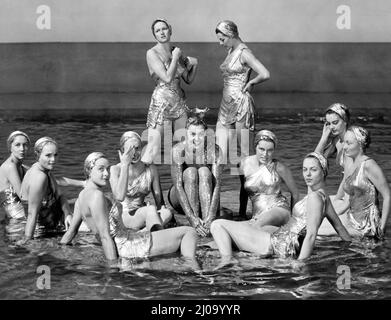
(287, 240)
(236, 105)
(11, 203)
(130, 244)
(168, 101)
(363, 215)
(137, 190)
(263, 188)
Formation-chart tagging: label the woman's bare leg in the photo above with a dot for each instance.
(171, 240)
(190, 184)
(143, 217)
(273, 217)
(152, 149)
(222, 137)
(205, 190)
(245, 236)
(244, 137)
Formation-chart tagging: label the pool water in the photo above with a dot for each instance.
(80, 272)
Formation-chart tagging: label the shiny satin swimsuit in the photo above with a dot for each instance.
(263, 189)
(130, 244)
(363, 215)
(287, 240)
(137, 190)
(50, 217)
(236, 105)
(11, 203)
(168, 101)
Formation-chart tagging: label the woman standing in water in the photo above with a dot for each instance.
(131, 181)
(47, 209)
(237, 105)
(12, 172)
(167, 66)
(297, 237)
(261, 179)
(104, 219)
(363, 182)
(196, 174)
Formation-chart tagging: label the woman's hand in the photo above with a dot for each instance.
(68, 221)
(191, 61)
(176, 54)
(248, 87)
(126, 157)
(198, 224)
(326, 132)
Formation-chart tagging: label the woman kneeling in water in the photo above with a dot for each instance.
(297, 236)
(104, 219)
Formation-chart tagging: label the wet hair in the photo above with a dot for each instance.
(40, 143)
(90, 161)
(265, 135)
(227, 28)
(127, 136)
(160, 20)
(362, 136)
(13, 135)
(341, 110)
(321, 160)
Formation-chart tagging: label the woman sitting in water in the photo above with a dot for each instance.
(297, 236)
(331, 143)
(12, 172)
(363, 181)
(47, 209)
(196, 173)
(131, 181)
(261, 181)
(104, 219)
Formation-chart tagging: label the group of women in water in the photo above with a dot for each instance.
(128, 227)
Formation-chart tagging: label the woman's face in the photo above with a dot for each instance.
(48, 156)
(161, 32)
(100, 172)
(312, 172)
(224, 41)
(136, 146)
(350, 145)
(264, 151)
(19, 147)
(336, 124)
(195, 136)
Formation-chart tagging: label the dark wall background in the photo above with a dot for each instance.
(121, 67)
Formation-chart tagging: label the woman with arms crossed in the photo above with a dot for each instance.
(167, 66)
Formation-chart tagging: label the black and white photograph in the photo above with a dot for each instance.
(195, 155)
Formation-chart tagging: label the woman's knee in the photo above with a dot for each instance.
(204, 174)
(190, 231)
(190, 174)
(216, 225)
